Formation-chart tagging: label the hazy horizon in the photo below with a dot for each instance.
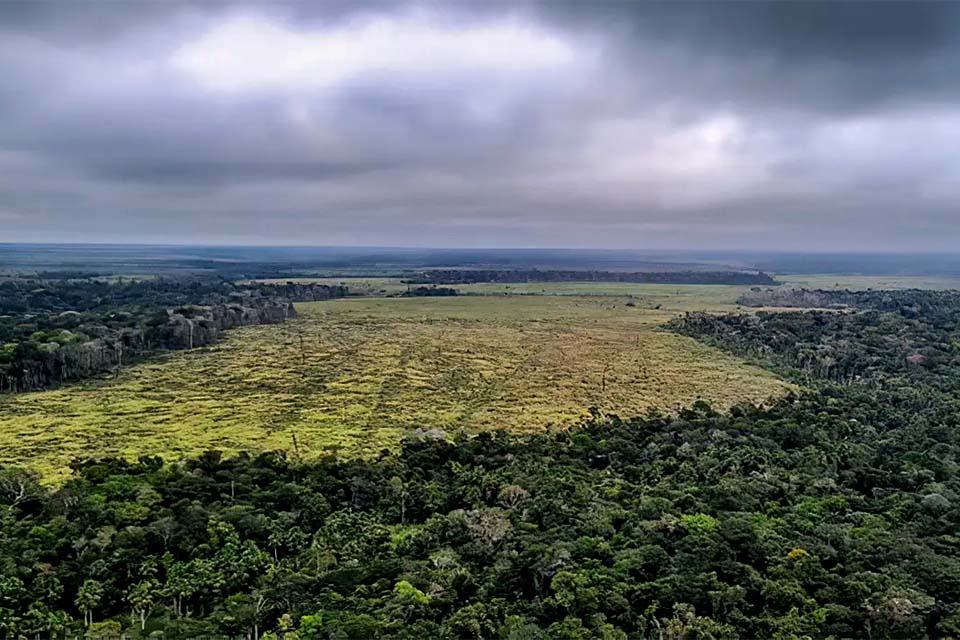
(481, 248)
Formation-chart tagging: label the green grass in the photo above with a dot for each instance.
(686, 297)
(351, 376)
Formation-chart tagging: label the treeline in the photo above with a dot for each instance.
(467, 276)
(33, 295)
(828, 514)
(885, 335)
(429, 292)
(914, 303)
(52, 332)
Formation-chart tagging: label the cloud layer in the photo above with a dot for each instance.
(781, 126)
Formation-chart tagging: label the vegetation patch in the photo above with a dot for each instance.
(857, 282)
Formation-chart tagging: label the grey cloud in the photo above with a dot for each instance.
(809, 55)
(747, 125)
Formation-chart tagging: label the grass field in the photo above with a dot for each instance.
(351, 376)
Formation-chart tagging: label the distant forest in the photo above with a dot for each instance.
(429, 292)
(52, 331)
(240, 262)
(832, 513)
(468, 276)
(912, 303)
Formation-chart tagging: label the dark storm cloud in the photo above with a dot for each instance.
(794, 125)
(825, 55)
(797, 31)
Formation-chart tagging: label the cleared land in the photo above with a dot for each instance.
(351, 376)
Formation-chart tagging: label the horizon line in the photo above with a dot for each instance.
(188, 245)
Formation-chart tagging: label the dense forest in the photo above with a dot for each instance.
(831, 513)
(54, 331)
(467, 276)
(429, 292)
(881, 338)
(910, 302)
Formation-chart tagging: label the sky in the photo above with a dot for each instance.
(784, 126)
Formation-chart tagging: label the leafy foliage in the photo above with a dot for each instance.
(830, 513)
(54, 331)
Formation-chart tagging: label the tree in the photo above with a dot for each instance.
(142, 596)
(88, 599)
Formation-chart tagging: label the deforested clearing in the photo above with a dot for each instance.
(350, 377)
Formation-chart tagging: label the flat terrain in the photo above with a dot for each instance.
(351, 376)
(684, 297)
(698, 294)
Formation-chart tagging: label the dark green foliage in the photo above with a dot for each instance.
(429, 292)
(829, 514)
(899, 335)
(54, 331)
(911, 303)
(791, 521)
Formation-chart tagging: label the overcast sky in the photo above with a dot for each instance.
(722, 126)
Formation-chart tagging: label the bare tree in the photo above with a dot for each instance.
(603, 377)
(17, 486)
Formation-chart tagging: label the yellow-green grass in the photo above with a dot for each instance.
(352, 376)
